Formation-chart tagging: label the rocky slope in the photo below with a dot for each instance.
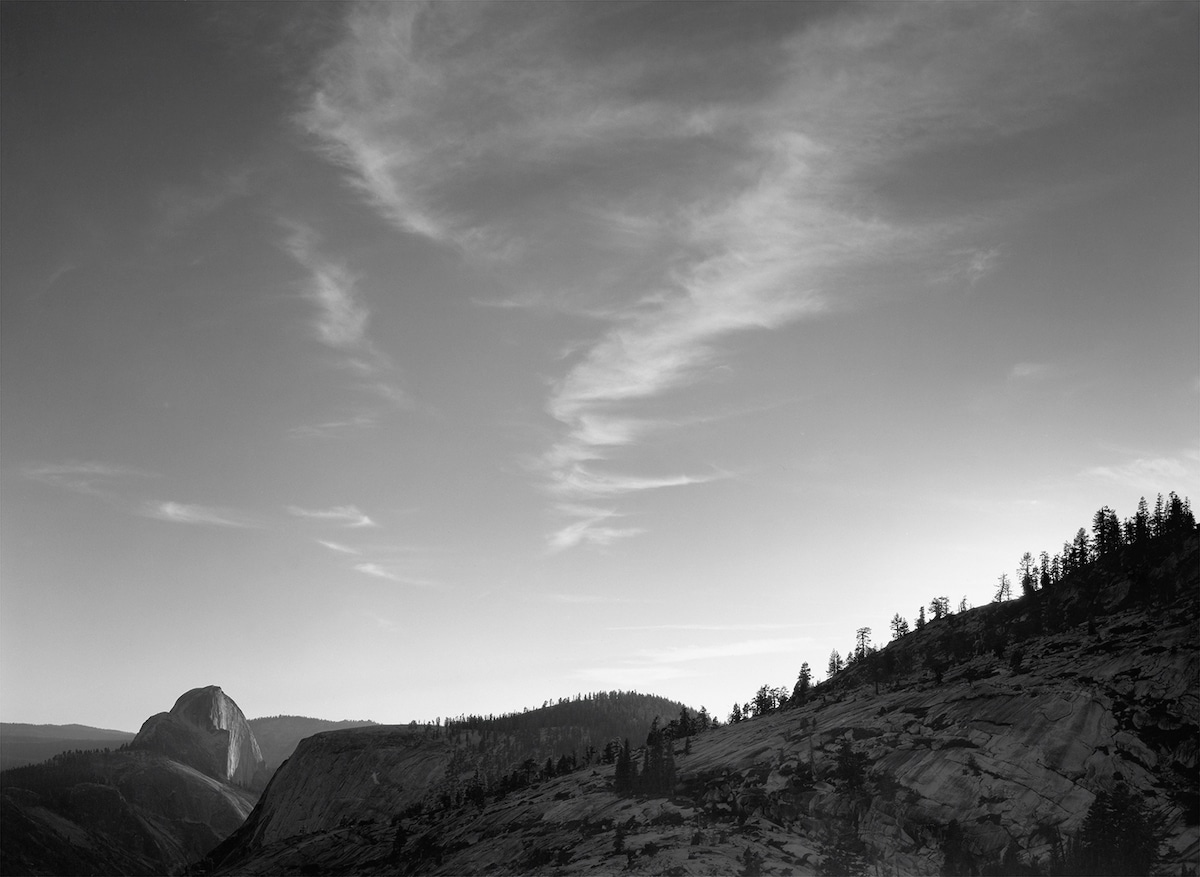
(206, 730)
(989, 733)
(132, 811)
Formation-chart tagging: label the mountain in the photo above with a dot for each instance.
(151, 807)
(28, 744)
(278, 736)
(1019, 737)
(206, 730)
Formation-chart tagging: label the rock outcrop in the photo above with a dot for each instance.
(206, 730)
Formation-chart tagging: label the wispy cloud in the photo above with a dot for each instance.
(1029, 371)
(590, 529)
(1153, 474)
(81, 477)
(654, 665)
(183, 513)
(341, 320)
(331, 428)
(713, 627)
(344, 515)
(338, 547)
(737, 207)
(683, 654)
(632, 677)
(591, 599)
(379, 571)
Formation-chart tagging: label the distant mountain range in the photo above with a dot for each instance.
(28, 744)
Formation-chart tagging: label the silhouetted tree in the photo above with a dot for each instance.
(920, 618)
(862, 642)
(1003, 589)
(940, 607)
(1081, 551)
(1106, 532)
(899, 626)
(735, 714)
(767, 699)
(835, 663)
(803, 683)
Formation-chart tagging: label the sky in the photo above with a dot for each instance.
(400, 361)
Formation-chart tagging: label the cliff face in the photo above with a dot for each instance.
(994, 749)
(206, 730)
(360, 774)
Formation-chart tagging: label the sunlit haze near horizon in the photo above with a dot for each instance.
(393, 361)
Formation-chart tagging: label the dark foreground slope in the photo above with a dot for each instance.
(968, 758)
(113, 813)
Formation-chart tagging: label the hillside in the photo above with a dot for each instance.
(22, 743)
(979, 743)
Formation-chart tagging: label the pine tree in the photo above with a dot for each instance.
(686, 727)
(803, 682)
(835, 663)
(899, 626)
(1082, 552)
(1119, 835)
(1106, 532)
(862, 643)
(1141, 524)
(1025, 574)
(623, 775)
(920, 618)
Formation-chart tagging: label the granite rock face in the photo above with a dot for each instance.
(206, 730)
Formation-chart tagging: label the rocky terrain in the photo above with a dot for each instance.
(149, 808)
(978, 742)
